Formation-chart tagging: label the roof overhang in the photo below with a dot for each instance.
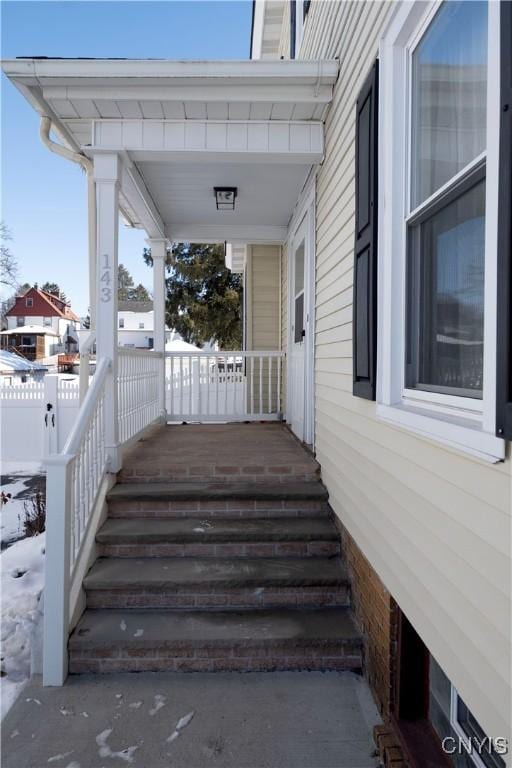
(182, 127)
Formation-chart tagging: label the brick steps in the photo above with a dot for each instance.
(189, 582)
(236, 499)
(218, 537)
(206, 576)
(265, 640)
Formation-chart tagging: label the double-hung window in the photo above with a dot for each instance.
(438, 178)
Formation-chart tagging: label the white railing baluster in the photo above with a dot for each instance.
(269, 404)
(278, 403)
(223, 386)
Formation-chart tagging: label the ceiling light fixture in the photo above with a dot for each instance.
(225, 198)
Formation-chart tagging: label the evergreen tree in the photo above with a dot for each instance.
(54, 290)
(124, 283)
(139, 293)
(203, 296)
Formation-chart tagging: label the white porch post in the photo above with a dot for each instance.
(107, 170)
(158, 253)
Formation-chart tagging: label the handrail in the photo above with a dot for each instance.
(134, 352)
(83, 374)
(230, 353)
(87, 408)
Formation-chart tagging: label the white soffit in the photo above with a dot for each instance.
(75, 92)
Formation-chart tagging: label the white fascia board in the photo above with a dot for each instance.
(202, 91)
(165, 140)
(91, 71)
(220, 233)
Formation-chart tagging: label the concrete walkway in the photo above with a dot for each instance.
(279, 720)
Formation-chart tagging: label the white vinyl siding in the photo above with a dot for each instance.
(433, 522)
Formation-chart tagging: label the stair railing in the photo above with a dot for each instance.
(73, 482)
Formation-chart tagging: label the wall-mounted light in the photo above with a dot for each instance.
(225, 198)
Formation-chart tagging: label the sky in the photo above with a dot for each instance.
(44, 197)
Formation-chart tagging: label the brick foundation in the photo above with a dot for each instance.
(375, 611)
(377, 615)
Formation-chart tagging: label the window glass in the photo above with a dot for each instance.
(446, 297)
(121, 322)
(448, 95)
(20, 321)
(47, 321)
(474, 730)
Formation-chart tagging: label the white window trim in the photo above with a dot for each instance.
(459, 730)
(467, 426)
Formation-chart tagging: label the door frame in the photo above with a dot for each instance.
(304, 212)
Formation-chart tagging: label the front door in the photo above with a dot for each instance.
(298, 317)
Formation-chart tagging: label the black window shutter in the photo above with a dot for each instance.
(504, 298)
(364, 322)
(293, 24)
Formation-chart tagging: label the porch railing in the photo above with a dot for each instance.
(139, 373)
(223, 386)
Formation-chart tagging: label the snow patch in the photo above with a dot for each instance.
(125, 754)
(180, 725)
(135, 705)
(22, 613)
(55, 758)
(138, 633)
(159, 703)
(123, 625)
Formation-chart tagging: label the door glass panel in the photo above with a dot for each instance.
(299, 269)
(449, 73)
(299, 319)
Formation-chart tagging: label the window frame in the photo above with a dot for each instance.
(457, 726)
(31, 300)
(467, 424)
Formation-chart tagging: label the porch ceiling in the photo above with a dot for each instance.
(184, 127)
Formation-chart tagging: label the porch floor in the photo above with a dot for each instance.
(224, 452)
(282, 720)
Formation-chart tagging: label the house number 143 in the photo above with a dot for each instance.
(106, 279)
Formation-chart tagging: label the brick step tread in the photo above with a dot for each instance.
(212, 491)
(113, 574)
(143, 630)
(180, 530)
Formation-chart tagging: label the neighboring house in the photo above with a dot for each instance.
(17, 370)
(135, 324)
(40, 325)
(373, 240)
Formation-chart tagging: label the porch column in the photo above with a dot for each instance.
(107, 170)
(158, 252)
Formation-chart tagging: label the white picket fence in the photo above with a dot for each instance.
(36, 418)
(223, 386)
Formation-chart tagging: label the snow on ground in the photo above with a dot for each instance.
(22, 480)
(22, 580)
